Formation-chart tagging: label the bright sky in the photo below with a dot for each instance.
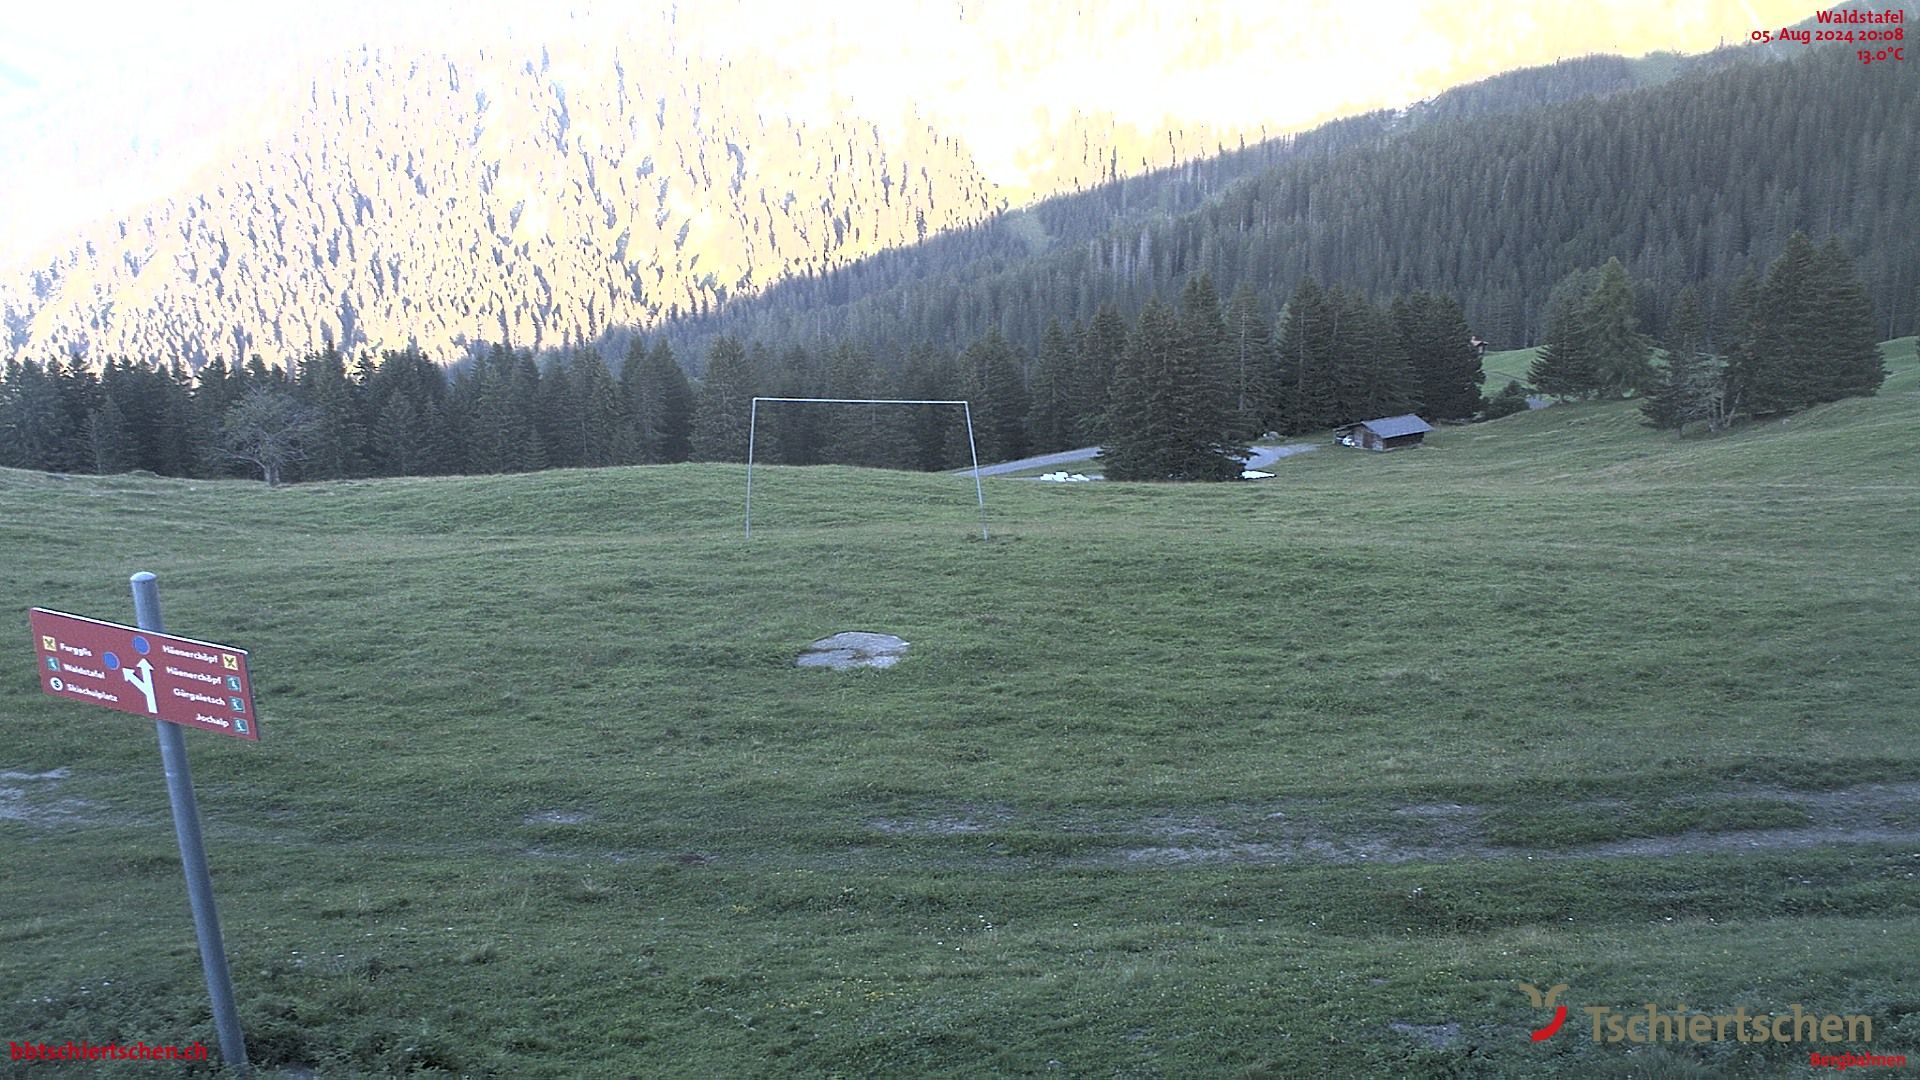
(104, 104)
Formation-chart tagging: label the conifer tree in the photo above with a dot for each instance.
(1564, 367)
(631, 442)
(936, 434)
(561, 414)
(1372, 375)
(669, 418)
(1097, 358)
(410, 374)
(998, 390)
(174, 444)
(1770, 371)
(334, 447)
(1304, 397)
(10, 452)
(502, 435)
(720, 409)
(1691, 385)
(1845, 357)
(215, 392)
(1511, 399)
(38, 431)
(398, 439)
(867, 435)
(1445, 365)
(1252, 362)
(1141, 426)
(599, 411)
(1049, 420)
(797, 435)
(1172, 415)
(1617, 353)
(1206, 380)
(109, 438)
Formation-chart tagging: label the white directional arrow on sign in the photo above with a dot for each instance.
(144, 683)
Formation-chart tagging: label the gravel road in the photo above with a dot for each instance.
(1262, 457)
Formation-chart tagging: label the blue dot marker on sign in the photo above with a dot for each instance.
(140, 645)
(112, 661)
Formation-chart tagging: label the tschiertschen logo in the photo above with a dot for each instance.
(1548, 1000)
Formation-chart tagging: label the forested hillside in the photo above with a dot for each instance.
(1695, 180)
(549, 194)
(530, 193)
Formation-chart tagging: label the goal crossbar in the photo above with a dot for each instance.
(753, 421)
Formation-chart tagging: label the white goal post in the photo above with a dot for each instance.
(753, 420)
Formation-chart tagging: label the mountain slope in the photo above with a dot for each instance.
(532, 195)
(1693, 180)
(541, 193)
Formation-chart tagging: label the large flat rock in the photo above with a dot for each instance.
(853, 649)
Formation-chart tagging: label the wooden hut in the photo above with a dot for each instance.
(1386, 433)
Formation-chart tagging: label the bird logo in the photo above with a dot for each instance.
(1547, 1001)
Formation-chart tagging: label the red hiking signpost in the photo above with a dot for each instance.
(175, 679)
(178, 683)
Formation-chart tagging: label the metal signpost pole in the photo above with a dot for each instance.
(193, 854)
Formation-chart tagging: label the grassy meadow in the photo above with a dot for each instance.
(1290, 778)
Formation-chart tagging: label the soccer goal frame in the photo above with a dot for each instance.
(753, 422)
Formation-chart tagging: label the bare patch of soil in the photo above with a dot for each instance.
(33, 798)
(1438, 1036)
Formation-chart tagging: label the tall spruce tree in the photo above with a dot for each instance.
(1445, 364)
(216, 390)
(38, 432)
(334, 449)
(1206, 384)
(1808, 333)
(175, 437)
(1097, 356)
(1141, 426)
(998, 390)
(1771, 370)
(1372, 375)
(1691, 386)
(1253, 363)
(1618, 354)
(721, 404)
(1564, 368)
(632, 440)
(1304, 396)
(397, 439)
(1172, 413)
(109, 438)
(1050, 420)
(601, 412)
(668, 395)
(560, 414)
(797, 435)
(868, 435)
(1845, 357)
(936, 434)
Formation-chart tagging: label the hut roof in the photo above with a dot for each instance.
(1391, 427)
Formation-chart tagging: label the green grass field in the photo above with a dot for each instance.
(1279, 779)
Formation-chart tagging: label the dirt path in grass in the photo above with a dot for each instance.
(1288, 831)
(1868, 814)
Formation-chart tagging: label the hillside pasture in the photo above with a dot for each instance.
(1289, 778)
